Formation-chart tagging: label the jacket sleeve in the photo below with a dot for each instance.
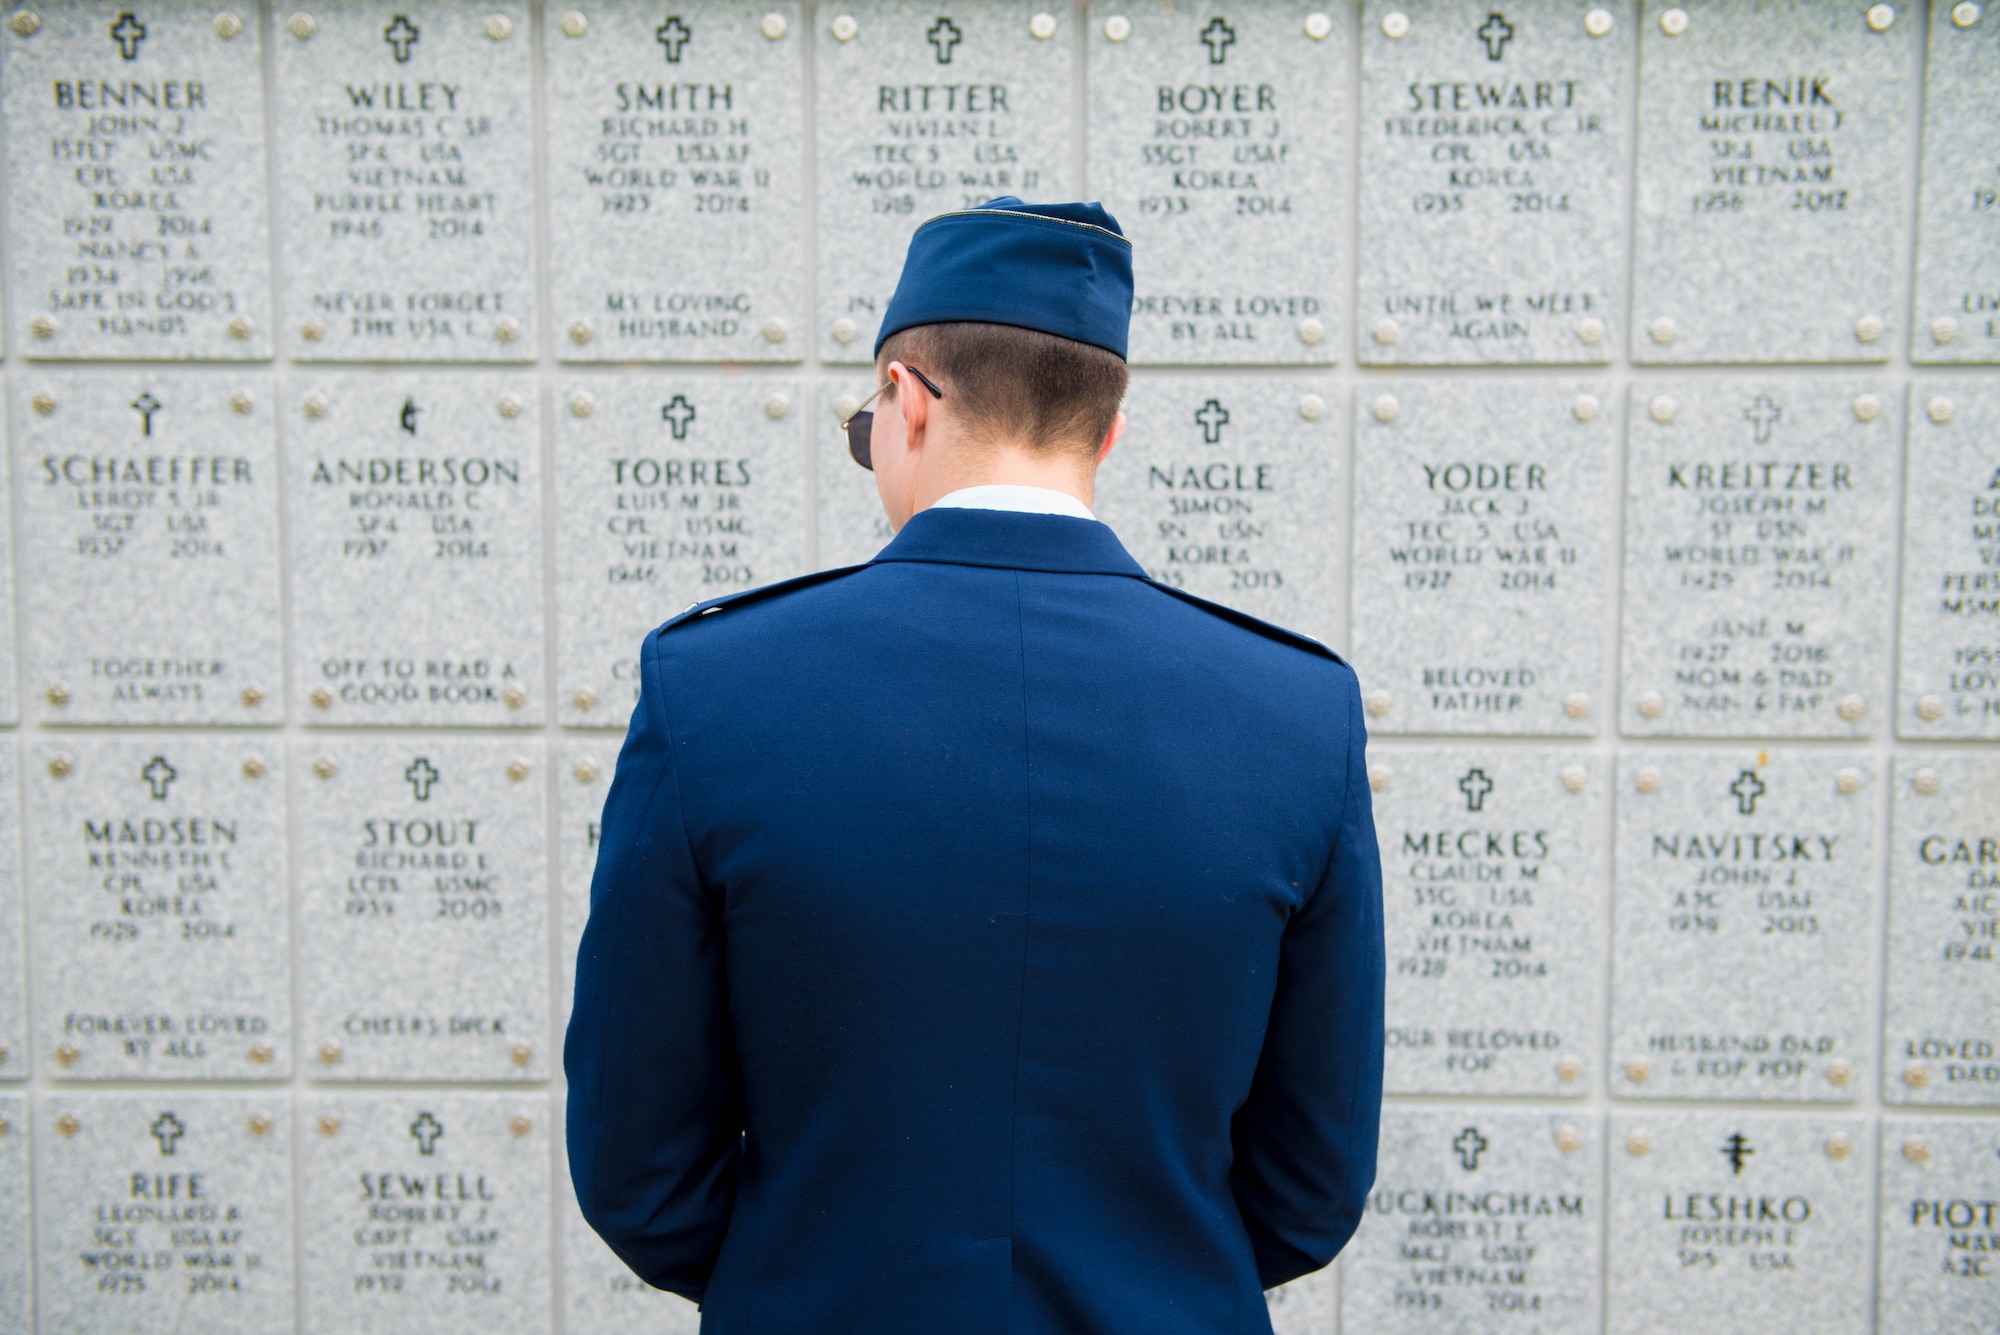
(655, 1121)
(1305, 1138)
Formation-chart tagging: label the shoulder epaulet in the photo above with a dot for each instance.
(1250, 623)
(695, 611)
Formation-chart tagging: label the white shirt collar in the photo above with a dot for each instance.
(1023, 500)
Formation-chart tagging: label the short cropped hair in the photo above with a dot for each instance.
(1049, 392)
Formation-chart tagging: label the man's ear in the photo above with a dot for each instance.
(1113, 436)
(912, 401)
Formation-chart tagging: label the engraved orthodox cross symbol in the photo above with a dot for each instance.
(1470, 1145)
(128, 32)
(673, 35)
(422, 774)
(1211, 418)
(944, 35)
(1736, 1149)
(167, 1129)
(401, 35)
(677, 412)
(426, 1130)
(1496, 33)
(1747, 788)
(145, 405)
(1475, 785)
(1763, 413)
(159, 776)
(407, 419)
(1218, 35)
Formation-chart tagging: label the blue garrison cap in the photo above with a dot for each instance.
(1064, 269)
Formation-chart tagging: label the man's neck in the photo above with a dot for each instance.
(1007, 466)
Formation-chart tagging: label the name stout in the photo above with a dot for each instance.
(674, 146)
(1940, 1034)
(1949, 673)
(161, 933)
(406, 183)
(922, 111)
(135, 185)
(426, 1207)
(1491, 863)
(151, 500)
(1743, 902)
(1215, 140)
(164, 1211)
(1492, 170)
(1478, 1217)
(1738, 1221)
(1957, 302)
(674, 490)
(1768, 213)
(1223, 488)
(416, 537)
(423, 907)
(1481, 545)
(1758, 526)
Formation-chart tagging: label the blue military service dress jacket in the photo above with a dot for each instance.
(985, 940)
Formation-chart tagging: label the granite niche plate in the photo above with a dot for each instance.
(1480, 1219)
(162, 940)
(425, 1210)
(1230, 489)
(1958, 207)
(164, 1211)
(678, 203)
(1216, 140)
(149, 507)
(1940, 1225)
(10, 702)
(423, 909)
(14, 1065)
(925, 109)
(1744, 904)
(1738, 1221)
(1493, 864)
(1941, 1002)
(1768, 213)
(1492, 183)
(415, 507)
(136, 224)
(1309, 1305)
(16, 1260)
(1759, 531)
(585, 781)
(671, 490)
(406, 178)
(1948, 683)
(1483, 558)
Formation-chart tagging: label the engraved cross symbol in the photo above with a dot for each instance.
(673, 35)
(426, 1130)
(1470, 1145)
(167, 1129)
(677, 412)
(1748, 788)
(1763, 413)
(145, 405)
(159, 776)
(1736, 1149)
(1218, 35)
(1211, 418)
(407, 419)
(128, 32)
(1475, 785)
(422, 774)
(1496, 33)
(944, 35)
(401, 35)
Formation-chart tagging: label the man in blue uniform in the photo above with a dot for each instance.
(985, 940)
